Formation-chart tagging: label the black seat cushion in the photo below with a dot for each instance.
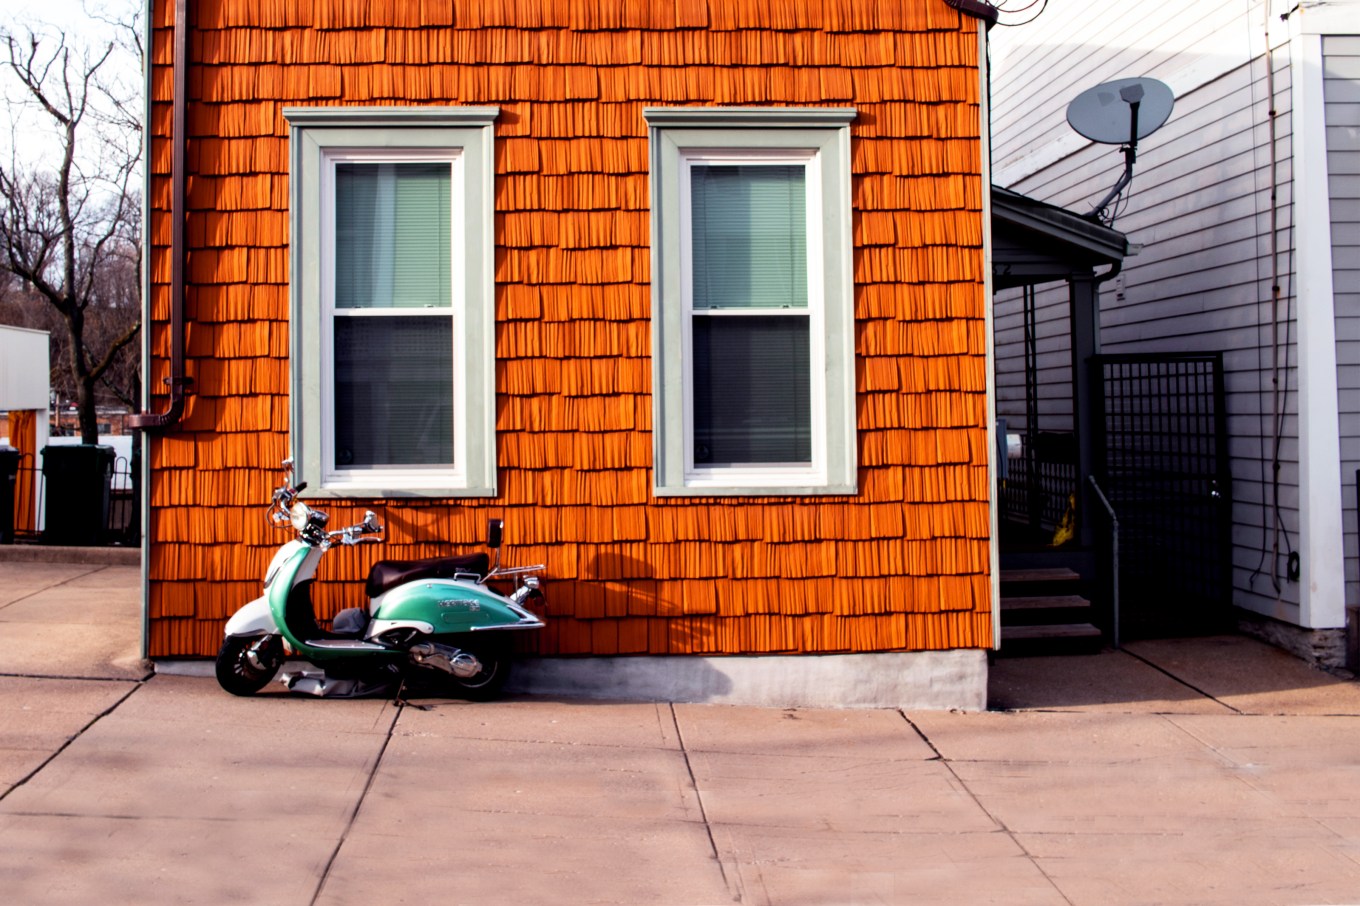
(388, 574)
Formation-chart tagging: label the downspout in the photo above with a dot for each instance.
(1109, 275)
(141, 472)
(150, 421)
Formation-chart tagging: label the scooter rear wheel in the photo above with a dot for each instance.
(237, 673)
(487, 683)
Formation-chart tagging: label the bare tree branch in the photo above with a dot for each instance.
(69, 225)
(114, 349)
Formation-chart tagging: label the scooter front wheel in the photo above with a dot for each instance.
(247, 663)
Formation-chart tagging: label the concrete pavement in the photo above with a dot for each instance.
(1199, 771)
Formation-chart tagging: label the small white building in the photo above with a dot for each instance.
(25, 391)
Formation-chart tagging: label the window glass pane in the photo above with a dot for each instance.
(393, 391)
(751, 390)
(392, 240)
(749, 234)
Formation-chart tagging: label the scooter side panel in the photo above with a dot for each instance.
(282, 586)
(451, 606)
(297, 567)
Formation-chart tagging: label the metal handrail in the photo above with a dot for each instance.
(1114, 556)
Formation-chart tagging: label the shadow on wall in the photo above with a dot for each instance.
(615, 595)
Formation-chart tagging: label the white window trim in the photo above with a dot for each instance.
(320, 138)
(818, 137)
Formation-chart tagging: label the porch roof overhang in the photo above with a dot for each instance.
(1036, 242)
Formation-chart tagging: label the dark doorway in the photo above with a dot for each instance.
(1162, 460)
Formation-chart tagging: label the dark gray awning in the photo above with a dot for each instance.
(1036, 242)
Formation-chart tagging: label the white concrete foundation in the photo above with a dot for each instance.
(915, 680)
(911, 680)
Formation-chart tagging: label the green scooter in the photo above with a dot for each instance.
(428, 622)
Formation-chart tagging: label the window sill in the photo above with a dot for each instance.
(769, 490)
(364, 493)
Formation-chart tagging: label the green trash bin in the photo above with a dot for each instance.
(9, 475)
(76, 484)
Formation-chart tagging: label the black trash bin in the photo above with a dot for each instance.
(9, 476)
(76, 483)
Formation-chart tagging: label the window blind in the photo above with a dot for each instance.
(752, 394)
(392, 235)
(749, 235)
(393, 391)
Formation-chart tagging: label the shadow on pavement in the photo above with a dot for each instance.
(1213, 674)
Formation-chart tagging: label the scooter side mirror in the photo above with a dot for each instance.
(493, 533)
(370, 523)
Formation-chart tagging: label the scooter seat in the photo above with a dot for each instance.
(388, 574)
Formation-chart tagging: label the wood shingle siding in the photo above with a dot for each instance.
(902, 565)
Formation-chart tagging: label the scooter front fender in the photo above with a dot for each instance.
(256, 618)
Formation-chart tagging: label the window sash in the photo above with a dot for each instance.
(749, 235)
(752, 393)
(393, 407)
(393, 223)
(804, 425)
(408, 446)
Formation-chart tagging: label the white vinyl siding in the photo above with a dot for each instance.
(1200, 208)
(1341, 93)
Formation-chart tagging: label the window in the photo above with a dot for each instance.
(392, 311)
(753, 321)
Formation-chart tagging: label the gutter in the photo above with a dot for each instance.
(150, 421)
(978, 9)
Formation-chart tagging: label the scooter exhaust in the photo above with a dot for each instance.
(454, 661)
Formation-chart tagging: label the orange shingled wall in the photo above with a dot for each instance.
(903, 565)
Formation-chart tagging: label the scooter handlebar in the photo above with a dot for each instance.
(354, 534)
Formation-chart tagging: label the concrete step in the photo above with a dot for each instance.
(1049, 631)
(1044, 602)
(1018, 610)
(1044, 575)
(1050, 638)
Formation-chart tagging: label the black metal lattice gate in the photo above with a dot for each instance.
(1162, 460)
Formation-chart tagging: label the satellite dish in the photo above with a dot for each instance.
(1102, 113)
(1120, 113)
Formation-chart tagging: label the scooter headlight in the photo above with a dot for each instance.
(300, 515)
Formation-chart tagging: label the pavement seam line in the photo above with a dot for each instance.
(359, 803)
(82, 679)
(733, 886)
(79, 733)
(52, 586)
(1190, 686)
(963, 785)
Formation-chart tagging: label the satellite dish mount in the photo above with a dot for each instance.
(1120, 113)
